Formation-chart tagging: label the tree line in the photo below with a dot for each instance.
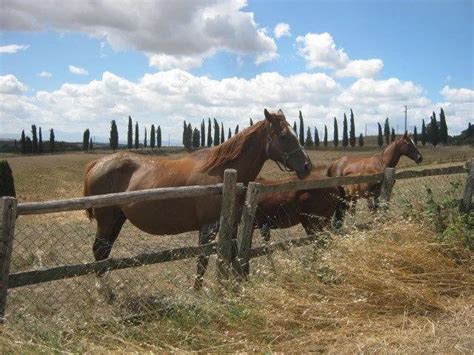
(435, 132)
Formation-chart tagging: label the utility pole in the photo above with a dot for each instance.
(406, 110)
(366, 130)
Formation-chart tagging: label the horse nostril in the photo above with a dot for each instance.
(306, 166)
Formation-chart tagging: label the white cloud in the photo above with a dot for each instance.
(45, 74)
(320, 51)
(187, 30)
(457, 95)
(77, 70)
(169, 97)
(282, 29)
(10, 85)
(12, 48)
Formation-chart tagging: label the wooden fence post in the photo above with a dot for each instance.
(225, 250)
(387, 185)
(7, 233)
(466, 201)
(245, 231)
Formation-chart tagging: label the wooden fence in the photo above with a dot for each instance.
(233, 245)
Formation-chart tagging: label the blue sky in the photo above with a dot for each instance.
(418, 53)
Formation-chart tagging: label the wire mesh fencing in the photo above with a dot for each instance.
(60, 239)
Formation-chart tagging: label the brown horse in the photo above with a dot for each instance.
(271, 138)
(278, 210)
(353, 166)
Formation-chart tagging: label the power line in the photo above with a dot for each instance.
(406, 111)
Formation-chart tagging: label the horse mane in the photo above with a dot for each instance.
(232, 148)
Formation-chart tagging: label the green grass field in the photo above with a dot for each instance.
(396, 283)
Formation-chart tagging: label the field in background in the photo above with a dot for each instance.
(403, 285)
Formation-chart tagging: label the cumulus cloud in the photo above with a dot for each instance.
(77, 70)
(12, 48)
(45, 74)
(457, 95)
(10, 85)
(282, 29)
(320, 51)
(186, 30)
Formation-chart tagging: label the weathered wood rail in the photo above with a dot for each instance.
(233, 246)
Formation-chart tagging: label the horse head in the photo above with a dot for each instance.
(408, 148)
(283, 145)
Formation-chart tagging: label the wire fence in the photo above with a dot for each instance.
(66, 238)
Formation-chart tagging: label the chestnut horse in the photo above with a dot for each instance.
(271, 138)
(312, 208)
(389, 158)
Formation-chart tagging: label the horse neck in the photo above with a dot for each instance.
(391, 155)
(252, 158)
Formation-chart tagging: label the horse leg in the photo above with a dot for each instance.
(206, 234)
(109, 223)
(265, 233)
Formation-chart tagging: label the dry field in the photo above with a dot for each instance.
(399, 283)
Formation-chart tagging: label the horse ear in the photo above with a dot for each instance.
(280, 111)
(267, 114)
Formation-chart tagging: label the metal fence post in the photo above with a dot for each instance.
(466, 201)
(225, 250)
(245, 231)
(7, 233)
(387, 185)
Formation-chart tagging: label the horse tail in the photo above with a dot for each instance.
(89, 211)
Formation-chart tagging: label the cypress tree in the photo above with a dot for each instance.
(236, 129)
(222, 133)
(443, 127)
(189, 136)
(35, 139)
(217, 138)
(393, 136)
(423, 133)
(40, 141)
(196, 138)
(203, 133)
(301, 129)
(29, 146)
(85, 140)
(145, 143)
(325, 135)
(113, 136)
(137, 142)
(434, 130)
(345, 138)
(7, 184)
(380, 136)
(386, 131)
(229, 135)
(52, 141)
(295, 128)
(316, 137)
(23, 142)
(91, 147)
(415, 136)
(251, 122)
(352, 135)
(152, 136)
(336, 134)
(209, 135)
(158, 137)
(130, 133)
(309, 140)
(185, 132)
(361, 140)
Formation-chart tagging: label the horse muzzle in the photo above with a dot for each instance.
(303, 173)
(418, 159)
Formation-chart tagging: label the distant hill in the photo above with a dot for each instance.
(465, 138)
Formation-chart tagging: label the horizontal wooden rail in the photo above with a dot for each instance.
(316, 184)
(120, 198)
(284, 245)
(409, 174)
(67, 271)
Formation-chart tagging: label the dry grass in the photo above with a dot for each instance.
(392, 289)
(378, 287)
